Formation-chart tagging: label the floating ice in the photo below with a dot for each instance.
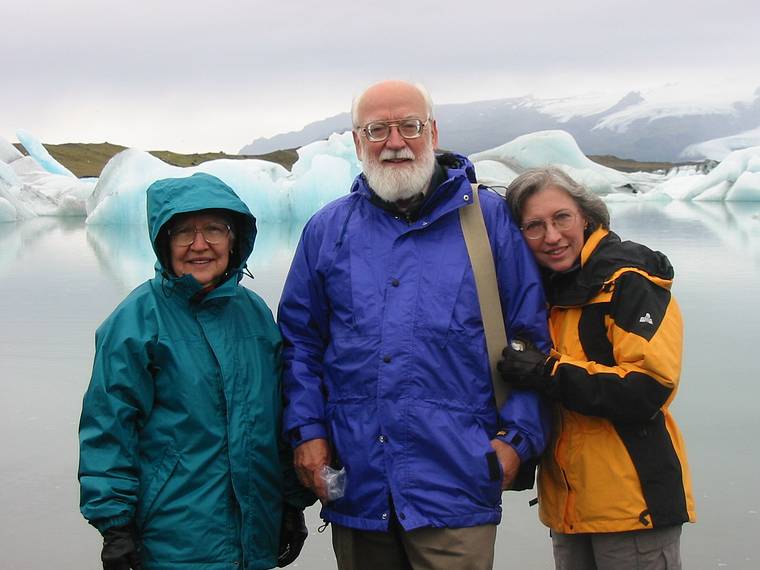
(11, 209)
(35, 149)
(119, 195)
(557, 148)
(31, 191)
(8, 152)
(494, 173)
(719, 149)
(737, 178)
(323, 172)
(7, 210)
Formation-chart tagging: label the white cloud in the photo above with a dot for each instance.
(170, 75)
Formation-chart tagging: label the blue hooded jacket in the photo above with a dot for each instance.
(180, 426)
(385, 356)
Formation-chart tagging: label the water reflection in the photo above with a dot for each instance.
(16, 237)
(126, 256)
(60, 279)
(691, 225)
(125, 252)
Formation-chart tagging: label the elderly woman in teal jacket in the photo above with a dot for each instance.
(181, 463)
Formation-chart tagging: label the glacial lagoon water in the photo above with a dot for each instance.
(59, 279)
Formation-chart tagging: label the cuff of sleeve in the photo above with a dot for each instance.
(518, 442)
(104, 524)
(301, 434)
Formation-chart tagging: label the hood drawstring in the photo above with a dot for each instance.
(343, 229)
(168, 292)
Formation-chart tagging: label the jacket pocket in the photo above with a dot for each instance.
(158, 479)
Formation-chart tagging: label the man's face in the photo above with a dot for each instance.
(397, 167)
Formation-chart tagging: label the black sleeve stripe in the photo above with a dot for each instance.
(593, 334)
(635, 397)
(638, 305)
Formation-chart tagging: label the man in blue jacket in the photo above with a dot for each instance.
(386, 368)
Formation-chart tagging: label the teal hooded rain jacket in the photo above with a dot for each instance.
(180, 424)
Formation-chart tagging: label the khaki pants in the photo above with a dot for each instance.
(657, 549)
(421, 549)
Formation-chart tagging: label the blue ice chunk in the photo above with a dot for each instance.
(39, 153)
(324, 171)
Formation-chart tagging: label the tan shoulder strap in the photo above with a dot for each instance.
(481, 258)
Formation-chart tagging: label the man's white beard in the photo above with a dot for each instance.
(394, 183)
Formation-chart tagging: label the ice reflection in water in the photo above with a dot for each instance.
(60, 279)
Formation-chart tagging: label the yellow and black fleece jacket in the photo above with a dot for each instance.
(617, 461)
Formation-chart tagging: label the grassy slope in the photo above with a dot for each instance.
(88, 159)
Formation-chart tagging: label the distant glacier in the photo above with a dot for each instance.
(650, 125)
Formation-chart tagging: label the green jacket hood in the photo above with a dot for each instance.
(171, 196)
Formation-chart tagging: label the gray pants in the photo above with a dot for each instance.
(421, 549)
(657, 549)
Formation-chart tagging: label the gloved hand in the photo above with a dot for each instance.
(293, 534)
(120, 549)
(526, 368)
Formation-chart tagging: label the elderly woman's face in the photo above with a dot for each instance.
(200, 246)
(553, 227)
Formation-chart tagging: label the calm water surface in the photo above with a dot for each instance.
(59, 279)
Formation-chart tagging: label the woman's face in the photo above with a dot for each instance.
(205, 261)
(555, 211)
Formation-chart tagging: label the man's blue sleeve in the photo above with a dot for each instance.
(303, 320)
(525, 416)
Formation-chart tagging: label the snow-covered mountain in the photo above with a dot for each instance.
(663, 124)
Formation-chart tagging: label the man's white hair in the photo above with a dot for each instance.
(358, 99)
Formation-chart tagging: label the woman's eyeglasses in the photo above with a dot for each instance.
(536, 229)
(212, 233)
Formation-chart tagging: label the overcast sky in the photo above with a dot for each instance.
(166, 74)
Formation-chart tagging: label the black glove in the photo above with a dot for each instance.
(120, 550)
(293, 534)
(525, 367)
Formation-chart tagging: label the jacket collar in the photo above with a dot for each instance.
(188, 288)
(605, 257)
(449, 186)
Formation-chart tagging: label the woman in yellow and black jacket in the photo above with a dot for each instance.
(614, 484)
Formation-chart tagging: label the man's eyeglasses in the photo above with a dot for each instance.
(212, 233)
(378, 131)
(536, 229)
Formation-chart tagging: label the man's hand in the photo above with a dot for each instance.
(509, 461)
(309, 457)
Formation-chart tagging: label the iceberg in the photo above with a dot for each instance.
(40, 154)
(736, 178)
(495, 173)
(12, 209)
(29, 190)
(324, 170)
(8, 152)
(557, 148)
(720, 148)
